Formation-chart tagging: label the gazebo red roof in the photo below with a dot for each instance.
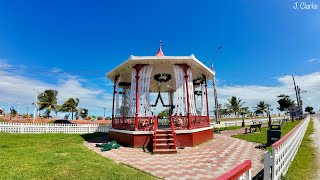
(160, 53)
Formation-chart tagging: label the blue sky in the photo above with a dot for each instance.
(71, 45)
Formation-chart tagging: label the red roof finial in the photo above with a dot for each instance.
(160, 53)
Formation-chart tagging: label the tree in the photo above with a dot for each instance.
(70, 106)
(124, 110)
(308, 109)
(163, 113)
(13, 112)
(83, 112)
(48, 101)
(285, 102)
(224, 111)
(243, 111)
(234, 105)
(261, 108)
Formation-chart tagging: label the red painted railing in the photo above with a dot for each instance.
(172, 129)
(128, 123)
(284, 151)
(181, 122)
(155, 128)
(199, 121)
(243, 170)
(147, 123)
(285, 137)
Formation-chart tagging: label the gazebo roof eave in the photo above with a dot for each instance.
(111, 74)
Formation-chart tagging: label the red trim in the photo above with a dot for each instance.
(280, 141)
(236, 172)
(188, 101)
(137, 101)
(137, 67)
(185, 68)
(114, 93)
(205, 85)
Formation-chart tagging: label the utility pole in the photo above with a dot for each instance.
(299, 101)
(10, 114)
(214, 89)
(19, 110)
(35, 107)
(295, 88)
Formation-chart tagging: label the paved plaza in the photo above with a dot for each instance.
(206, 161)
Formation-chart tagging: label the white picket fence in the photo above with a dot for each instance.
(250, 121)
(284, 151)
(241, 172)
(52, 128)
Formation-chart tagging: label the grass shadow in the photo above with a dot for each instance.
(96, 137)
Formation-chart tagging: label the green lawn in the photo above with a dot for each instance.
(304, 165)
(57, 156)
(227, 128)
(262, 137)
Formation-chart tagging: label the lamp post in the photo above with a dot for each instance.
(269, 122)
(10, 114)
(19, 110)
(35, 107)
(104, 113)
(216, 105)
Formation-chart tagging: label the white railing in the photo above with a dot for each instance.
(52, 128)
(241, 172)
(284, 151)
(249, 122)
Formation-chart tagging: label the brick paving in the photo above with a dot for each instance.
(206, 161)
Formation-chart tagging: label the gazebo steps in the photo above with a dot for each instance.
(164, 142)
(164, 151)
(164, 139)
(164, 135)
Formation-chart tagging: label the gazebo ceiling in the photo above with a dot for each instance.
(161, 64)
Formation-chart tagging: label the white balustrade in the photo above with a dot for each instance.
(276, 164)
(52, 128)
(248, 122)
(241, 172)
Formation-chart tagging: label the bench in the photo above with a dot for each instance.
(253, 126)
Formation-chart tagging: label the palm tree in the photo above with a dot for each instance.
(243, 111)
(70, 106)
(262, 107)
(234, 105)
(48, 101)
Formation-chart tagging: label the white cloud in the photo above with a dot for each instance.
(21, 89)
(313, 60)
(3, 64)
(253, 94)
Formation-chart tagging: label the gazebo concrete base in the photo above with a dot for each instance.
(185, 138)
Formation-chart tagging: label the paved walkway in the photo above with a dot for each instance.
(316, 139)
(206, 161)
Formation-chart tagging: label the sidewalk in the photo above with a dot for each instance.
(316, 139)
(206, 161)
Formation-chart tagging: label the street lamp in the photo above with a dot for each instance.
(104, 113)
(214, 88)
(269, 122)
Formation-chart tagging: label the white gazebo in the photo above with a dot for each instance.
(182, 78)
